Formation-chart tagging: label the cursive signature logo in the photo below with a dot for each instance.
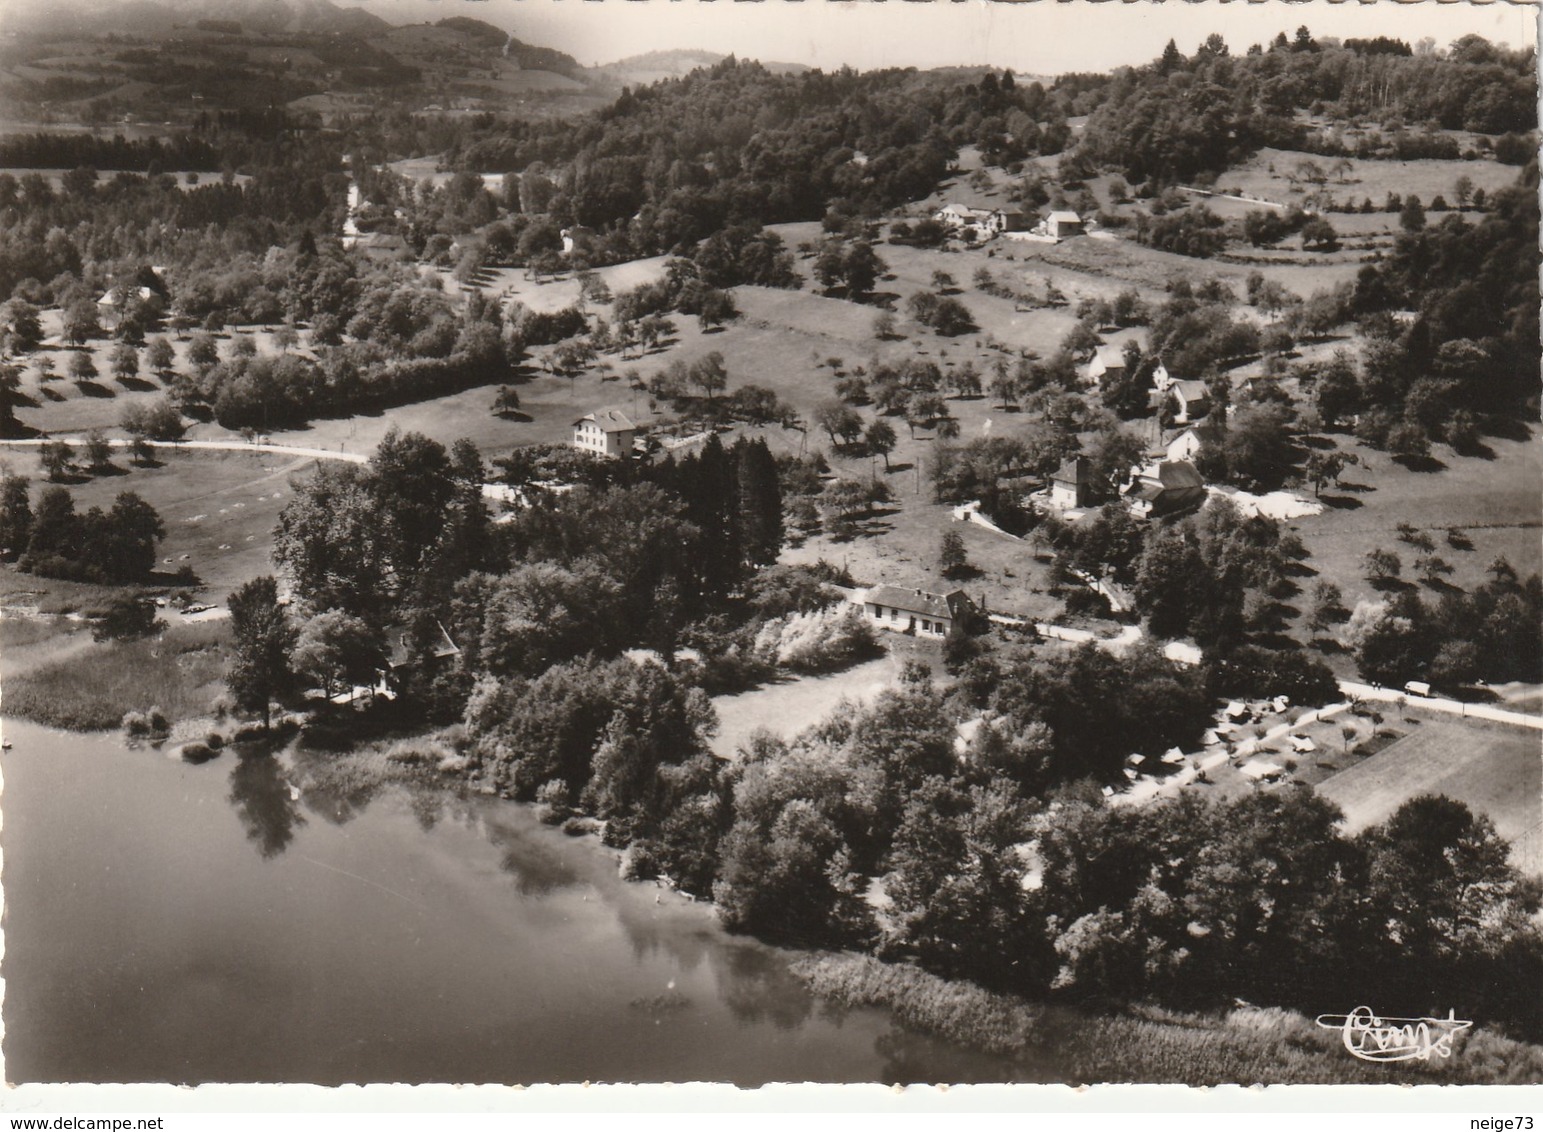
(1394, 1039)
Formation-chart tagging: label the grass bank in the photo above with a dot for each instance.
(1245, 1046)
(181, 672)
(353, 770)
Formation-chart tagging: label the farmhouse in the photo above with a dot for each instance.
(980, 222)
(942, 616)
(955, 215)
(1191, 400)
(1062, 224)
(1073, 485)
(1008, 220)
(1169, 488)
(1107, 361)
(605, 432)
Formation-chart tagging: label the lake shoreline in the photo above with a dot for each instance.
(1024, 1040)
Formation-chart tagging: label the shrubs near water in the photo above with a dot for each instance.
(152, 724)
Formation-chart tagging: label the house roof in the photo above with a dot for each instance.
(1179, 474)
(609, 420)
(1174, 479)
(1191, 390)
(914, 601)
(111, 297)
(1064, 217)
(401, 653)
(1113, 357)
(384, 241)
(1075, 470)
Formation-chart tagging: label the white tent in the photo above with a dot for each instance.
(1259, 771)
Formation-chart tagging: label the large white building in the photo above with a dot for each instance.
(605, 432)
(918, 612)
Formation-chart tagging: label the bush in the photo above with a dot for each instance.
(816, 642)
(553, 799)
(196, 752)
(146, 725)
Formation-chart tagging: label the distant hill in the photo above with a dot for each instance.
(479, 29)
(533, 58)
(161, 17)
(653, 66)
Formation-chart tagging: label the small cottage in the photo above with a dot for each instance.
(1074, 485)
(924, 614)
(1108, 362)
(955, 215)
(437, 654)
(1062, 224)
(1191, 400)
(1007, 220)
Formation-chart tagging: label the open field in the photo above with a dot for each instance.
(787, 707)
(1497, 503)
(29, 642)
(219, 508)
(1267, 175)
(1497, 771)
(420, 169)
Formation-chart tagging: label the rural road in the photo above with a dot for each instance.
(1437, 703)
(497, 491)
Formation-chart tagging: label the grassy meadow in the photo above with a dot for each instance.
(181, 672)
(219, 509)
(1496, 770)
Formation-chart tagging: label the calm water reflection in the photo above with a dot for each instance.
(265, 803)
(216, 923)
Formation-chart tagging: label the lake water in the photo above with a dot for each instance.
(172, 922)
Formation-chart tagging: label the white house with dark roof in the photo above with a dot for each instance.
(920, 612)
(605, 432)
(1073, 485)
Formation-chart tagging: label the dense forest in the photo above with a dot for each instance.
(1179, 117)
(735, 143)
